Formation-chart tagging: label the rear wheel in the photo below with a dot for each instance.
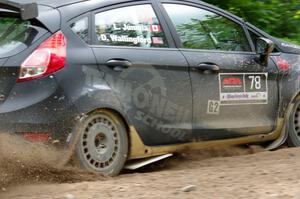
(103, 143)
(294, 126)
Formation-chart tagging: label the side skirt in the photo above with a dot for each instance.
(138, 150)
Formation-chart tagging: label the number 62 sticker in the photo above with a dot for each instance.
(213, 107)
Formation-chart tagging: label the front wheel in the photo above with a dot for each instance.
(103, 144)
(293, 139)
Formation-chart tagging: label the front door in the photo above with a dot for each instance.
(233, 94)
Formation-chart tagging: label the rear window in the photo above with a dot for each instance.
(16, 35)
(81, 28)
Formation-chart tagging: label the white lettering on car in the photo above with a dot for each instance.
(125, 38)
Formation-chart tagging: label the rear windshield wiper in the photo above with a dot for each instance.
(27, 10)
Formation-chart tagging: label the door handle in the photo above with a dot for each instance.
(208, 67)
(118, 64)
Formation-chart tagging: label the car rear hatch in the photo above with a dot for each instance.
(20, 33)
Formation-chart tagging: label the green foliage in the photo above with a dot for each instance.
(280, 18)
(212, 32)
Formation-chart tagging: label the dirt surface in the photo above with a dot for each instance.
(232, 172)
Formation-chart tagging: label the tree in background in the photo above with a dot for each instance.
(280, 18)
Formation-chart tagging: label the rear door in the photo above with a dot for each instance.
(147, 73)
(233, 94)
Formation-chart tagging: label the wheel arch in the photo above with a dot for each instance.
(294, 104)
(116, 112)
(286, 112)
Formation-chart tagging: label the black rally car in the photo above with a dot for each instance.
(119, 80)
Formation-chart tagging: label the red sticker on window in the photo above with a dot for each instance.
(155, 28)
(157, 40)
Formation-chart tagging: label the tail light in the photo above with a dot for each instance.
(48, 58)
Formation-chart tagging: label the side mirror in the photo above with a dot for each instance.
(264, 47)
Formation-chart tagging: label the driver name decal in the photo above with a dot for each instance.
(243, 88)
(138, 27)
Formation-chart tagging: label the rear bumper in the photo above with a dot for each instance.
(38, 106)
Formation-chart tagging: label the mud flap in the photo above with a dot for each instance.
(284, 134)
(136, 164)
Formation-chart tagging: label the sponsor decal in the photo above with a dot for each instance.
(230, 82)
(243, 88)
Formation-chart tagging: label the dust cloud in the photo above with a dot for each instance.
(22, 162)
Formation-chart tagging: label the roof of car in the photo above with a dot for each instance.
(74, 8)
(60, 3)
(57, 3)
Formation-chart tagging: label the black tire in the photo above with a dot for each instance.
(293, 139)
(102, 143)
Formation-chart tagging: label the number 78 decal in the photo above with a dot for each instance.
(255, 82)
(243, 88)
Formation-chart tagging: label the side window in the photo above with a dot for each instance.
(254, 38)
(201, 29)
(81, 27)
(134, 26)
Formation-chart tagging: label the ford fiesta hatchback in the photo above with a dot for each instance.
(119, 80)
